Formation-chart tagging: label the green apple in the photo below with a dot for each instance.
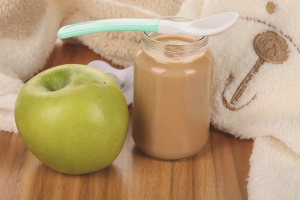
(73, 118)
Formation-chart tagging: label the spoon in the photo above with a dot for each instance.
(208, 26)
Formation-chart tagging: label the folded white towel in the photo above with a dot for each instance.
(256, 89)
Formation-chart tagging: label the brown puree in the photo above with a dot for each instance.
(171, 110)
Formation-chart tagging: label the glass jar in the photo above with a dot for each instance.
(172, 94)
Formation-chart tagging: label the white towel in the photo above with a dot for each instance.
(266, 105)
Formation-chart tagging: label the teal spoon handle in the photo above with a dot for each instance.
(148, 25)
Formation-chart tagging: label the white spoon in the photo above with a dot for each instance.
(208, 26)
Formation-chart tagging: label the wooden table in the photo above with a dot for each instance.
(219, 171)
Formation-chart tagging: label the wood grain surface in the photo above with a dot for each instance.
(219, 171)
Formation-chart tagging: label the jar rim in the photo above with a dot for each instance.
(158, 45)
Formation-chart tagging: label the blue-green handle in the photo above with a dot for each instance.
(149, 25)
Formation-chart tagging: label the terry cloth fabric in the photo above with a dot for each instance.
(256, 90)
(28, 33)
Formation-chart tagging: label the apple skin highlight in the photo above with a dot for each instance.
(73, 118)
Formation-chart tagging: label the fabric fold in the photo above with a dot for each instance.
(274, 172)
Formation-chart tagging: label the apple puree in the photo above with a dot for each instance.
(172, 91)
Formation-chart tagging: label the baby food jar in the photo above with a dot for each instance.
(172, 94)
